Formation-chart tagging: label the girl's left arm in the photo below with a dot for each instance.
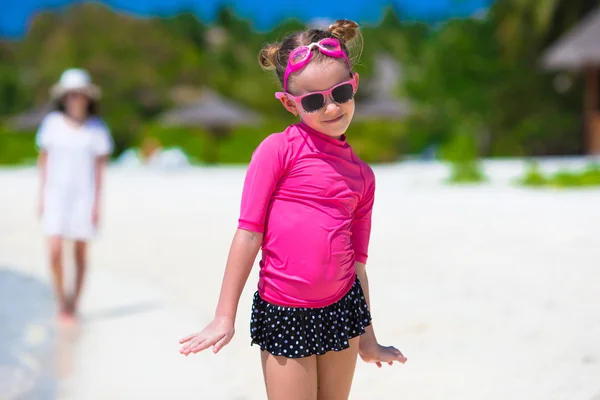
(368, 339)
(369, 348)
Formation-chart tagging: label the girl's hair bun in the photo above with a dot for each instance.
(344, 30)
(267, 58)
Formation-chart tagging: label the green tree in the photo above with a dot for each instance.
(462, 75)
(526, 27)
(12, 97)
(136, 61)
(187, 26)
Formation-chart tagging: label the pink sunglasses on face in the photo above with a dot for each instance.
(314, 101)
(302, 55)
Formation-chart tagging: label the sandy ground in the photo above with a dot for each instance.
(492, 292)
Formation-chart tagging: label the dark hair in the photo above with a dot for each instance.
(92, 108)
(274, 56)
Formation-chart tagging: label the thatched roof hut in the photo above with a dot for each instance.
(210, 111)
(579, 49)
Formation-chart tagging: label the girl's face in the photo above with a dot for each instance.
(333, 118)
(76, 105)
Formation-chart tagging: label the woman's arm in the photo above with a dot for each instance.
(42, 163)
(101, 163)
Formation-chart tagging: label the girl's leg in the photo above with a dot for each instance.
(55, 243)
(335, 370)
(290, 379)
(80, 268)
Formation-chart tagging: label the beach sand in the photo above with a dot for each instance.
(491, 291)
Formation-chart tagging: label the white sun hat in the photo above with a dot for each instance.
(75, 80)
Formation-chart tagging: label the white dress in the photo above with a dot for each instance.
(70, 174)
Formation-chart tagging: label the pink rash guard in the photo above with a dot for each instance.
(312, 198)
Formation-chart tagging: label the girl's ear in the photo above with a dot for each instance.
(289, 104)
(356, 79)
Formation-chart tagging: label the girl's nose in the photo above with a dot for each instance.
(331, 106)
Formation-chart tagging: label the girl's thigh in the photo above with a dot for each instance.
(335, 371)
(290, 378)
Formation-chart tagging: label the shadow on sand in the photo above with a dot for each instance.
(37, 353)
(26, 337)
(120, 312)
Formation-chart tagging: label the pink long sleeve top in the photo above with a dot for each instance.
(312, 197)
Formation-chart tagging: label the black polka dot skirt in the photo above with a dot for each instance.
(297, 332)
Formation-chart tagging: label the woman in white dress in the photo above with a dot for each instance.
(75, 145)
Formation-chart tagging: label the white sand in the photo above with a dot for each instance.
(492, 292)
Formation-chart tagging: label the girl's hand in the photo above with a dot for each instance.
(375, 353)
(216, 334)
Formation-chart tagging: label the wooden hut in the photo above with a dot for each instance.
(579, 50)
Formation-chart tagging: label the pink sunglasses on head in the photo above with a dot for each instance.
(314, 101)
(302, 55)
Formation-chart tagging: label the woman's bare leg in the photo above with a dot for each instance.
(335, 371)
(290, 378)
(56, 263)
(80, 269)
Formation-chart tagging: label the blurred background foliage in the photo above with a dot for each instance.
(473, 84)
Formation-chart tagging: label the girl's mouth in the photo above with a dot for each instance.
(335, 119)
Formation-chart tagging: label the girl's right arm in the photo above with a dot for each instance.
(264, 172)
(219, 332)
(244, 248)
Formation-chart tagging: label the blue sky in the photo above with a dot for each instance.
(264, 13)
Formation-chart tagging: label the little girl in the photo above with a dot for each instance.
(307, 201)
